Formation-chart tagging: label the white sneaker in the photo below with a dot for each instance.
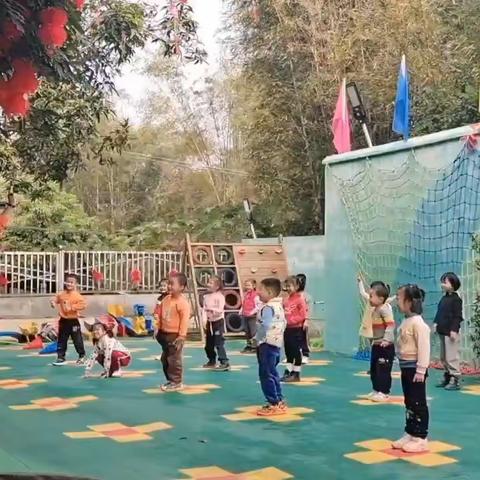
(401, 442)
(416, 445)
(305, 360)
(371, 394)
(284, 361)
(380, 397)
(117, 374)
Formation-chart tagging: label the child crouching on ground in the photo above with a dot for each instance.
(379, 326)
(414, 359)
(269, 339)
(108, 352)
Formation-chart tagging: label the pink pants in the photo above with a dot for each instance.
(119, 359)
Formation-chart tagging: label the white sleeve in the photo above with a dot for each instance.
(109, 345)
(91, 360)
(363, 292)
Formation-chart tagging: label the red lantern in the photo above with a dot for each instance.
(16, 105)
(52, 35)
(24, 77)
(55, 16)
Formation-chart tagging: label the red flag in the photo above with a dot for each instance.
(341, 122)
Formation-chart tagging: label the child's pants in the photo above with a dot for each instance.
(305, 347)
(293, 343)
(450, 355)
(381, 363)
(268, 358)
(172, 358)
(215, 341)
(69, 327)
(416, 406)
(118, 360)
(250, 329)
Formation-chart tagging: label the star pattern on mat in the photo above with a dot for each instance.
(396, 375)
(217, 473)
(233, 368)
(366, 401)
(14, 384)
(54, 404)
(471, 390)
(119, 432)
(294, 414)
(380, 451)
(187, 390)
(137, 373)
(305, 382)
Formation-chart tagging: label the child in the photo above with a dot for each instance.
(70, 303)
(162, 289)
(379, 325)
(269, 338)
(414, 358)
(447, 324)
(213, 318)
(296, 314)
(108, 352)
(302, 283)
(173, 318)
(250, 308)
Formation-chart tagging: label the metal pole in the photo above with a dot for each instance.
(252, 228)
(367, 135)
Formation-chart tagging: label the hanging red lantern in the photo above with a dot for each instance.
(24, 77)
(16, 105)
(55, 16)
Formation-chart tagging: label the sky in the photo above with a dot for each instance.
(132, 84)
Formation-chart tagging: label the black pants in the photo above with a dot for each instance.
(381, 363)
(293, 338)
(172, 358)
(215, 342)
(67, 328)
(415, 394)
(250, 329)
(305, 347)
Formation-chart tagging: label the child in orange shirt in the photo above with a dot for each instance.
(173, 315)
(69, 303)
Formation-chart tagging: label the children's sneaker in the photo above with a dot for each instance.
(270, 410)
(222, 367)
(282, 405)
(117, 374)
(444, 382)
(453, 384)
(305, 360)
(172, 387)
(293, 377)
(401, 442)
(286, 374)
(380, 397)
(210, 365)
(416, 445)
(59, 362)
(371, 394)
(81, 361)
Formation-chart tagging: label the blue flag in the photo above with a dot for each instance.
(401, 116)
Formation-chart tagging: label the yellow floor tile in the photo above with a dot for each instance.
(25, 407)
(106, 427)
(153, 427)
(430, 460)
(205, 472)
(377, 444)
(270, 473)
(238, 417)
(441, 447)
(82, 435)
(140, 437)
(370, 457)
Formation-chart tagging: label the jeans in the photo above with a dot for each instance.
(268, 358)
(381, 363)
(215, 342)
(69, 327)
(293, 345)
(415, 394)
(172, 358)
(250, 329)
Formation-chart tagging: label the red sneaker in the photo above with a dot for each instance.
(270, 410)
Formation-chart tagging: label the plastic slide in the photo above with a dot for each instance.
(127, 323)
(50, 348)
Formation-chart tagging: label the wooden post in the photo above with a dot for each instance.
(188, 251)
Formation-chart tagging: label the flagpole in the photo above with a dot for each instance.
(367, 135)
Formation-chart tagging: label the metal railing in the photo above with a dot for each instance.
(40, 273)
